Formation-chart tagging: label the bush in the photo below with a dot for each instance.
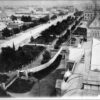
(6, 32)
(50, 34)
(46, 57)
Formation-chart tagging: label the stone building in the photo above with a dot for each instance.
(88, 13)
(92, 16)
(91, 11)
(94, 28)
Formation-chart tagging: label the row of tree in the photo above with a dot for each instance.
(62, 39)
(77, 31)
(52, 32)
(29, 18)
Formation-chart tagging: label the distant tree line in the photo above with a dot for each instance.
(9, 32)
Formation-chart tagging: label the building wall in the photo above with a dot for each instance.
(93, 33)
(88, 16)
(89, 12)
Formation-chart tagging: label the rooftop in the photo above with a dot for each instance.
(84, 81)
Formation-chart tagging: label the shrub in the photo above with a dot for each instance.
(46, 57)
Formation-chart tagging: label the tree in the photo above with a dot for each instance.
(78, 13)
(24, 27)
(44, 19)
(46, 57)
(32, 39)
(8, 53)
(26, 19)
(13, 18)
(6, 32)
(56, 46)
(54, 17)
(15, 30)
(73, 27)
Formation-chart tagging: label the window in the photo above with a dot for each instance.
(88, 86)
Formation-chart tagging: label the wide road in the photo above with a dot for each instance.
(24, 37)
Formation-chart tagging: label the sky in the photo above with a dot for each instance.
(44, 3)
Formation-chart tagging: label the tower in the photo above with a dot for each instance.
(95, 7)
